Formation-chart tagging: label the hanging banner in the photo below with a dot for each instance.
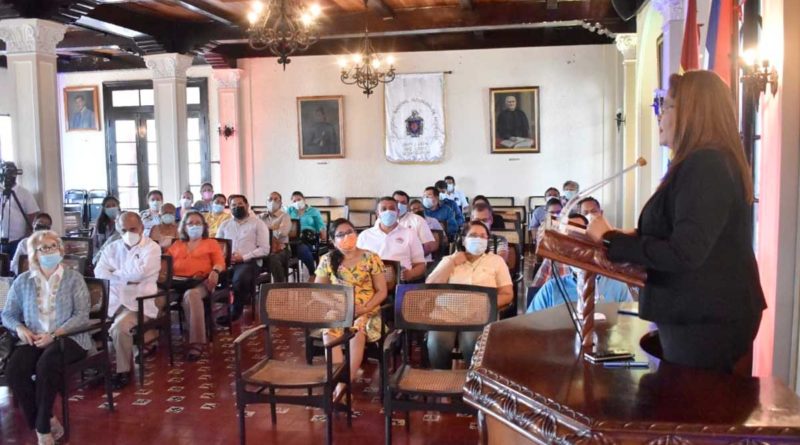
(415, 118)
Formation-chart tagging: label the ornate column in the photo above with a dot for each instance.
(674, 14)
(169, 90)
(626, 44)
(230, 149)
(31, 54)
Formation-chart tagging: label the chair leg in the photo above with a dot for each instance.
(387, 415)
(168, 330)
(273, 414)
(408, 421)
(109, 390)
(349, 403)
(327, 405)
(140, 344)
(240, 407)
(65, 409)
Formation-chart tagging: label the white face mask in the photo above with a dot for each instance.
(186, 203)
(272, 206)
(299, 205)
(131, 238)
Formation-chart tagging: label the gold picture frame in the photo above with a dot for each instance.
(320, 127)
(514, 121)
(82, 108)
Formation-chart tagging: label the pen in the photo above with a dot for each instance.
(626, 364)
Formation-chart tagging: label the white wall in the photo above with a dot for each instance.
(578, 99)
(7, 93)
(84, 152)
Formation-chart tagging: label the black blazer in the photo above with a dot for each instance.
(695, 239)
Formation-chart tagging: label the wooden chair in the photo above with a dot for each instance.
(501, 200)
(431, 307)
(442, 242)
(363, 204)
(73, 224)
(535, 201)
(73, 262)
(335, 212)
(519, 213)
(516, 267)
(98, 357)
(79, 247)
(310, 306)
(162, 322)
(319, 200)
(5, 285)
(221, 294)
(258, 209)
(362, 219)
(5, 265)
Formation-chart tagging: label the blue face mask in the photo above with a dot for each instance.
(49, 261)
(402, 209)
(569, 194)
(168, 218)
(475, 246)
(427, 202)
(442, 196)
(111, 212)
(194, 232)
(217, 208)
(388, 217)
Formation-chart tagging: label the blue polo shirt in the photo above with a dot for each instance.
(549, 295)
(445, 213)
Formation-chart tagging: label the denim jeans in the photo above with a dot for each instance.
(306, 257)
(440, 343)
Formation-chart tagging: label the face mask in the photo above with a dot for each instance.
(299, 205)
(388, 217)
(569, 194)
(217, 208)
(207, 196)
(131, 239)
(194, 232)
(40, 227)
(239, 212)
(347, 243)
(155, 205)
(427, 202)
(451, 188)
(186, 203)
(111, 212)
(402, 209)
(476, 246)
(442, 196)
(49, 261)
(272, 206)
(168, 218)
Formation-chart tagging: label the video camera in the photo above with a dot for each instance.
(8, 174)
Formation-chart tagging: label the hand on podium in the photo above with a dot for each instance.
(598, 226)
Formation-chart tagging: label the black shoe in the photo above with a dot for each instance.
(120, 380)
(224, 320)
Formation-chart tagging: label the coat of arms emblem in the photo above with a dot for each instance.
(414, 124)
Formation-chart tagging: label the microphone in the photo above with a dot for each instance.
(565, 212)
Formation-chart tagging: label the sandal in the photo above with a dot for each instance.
(194, 353)
(146, 352)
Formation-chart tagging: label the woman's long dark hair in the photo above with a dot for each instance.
(103, 221)
(336, 255)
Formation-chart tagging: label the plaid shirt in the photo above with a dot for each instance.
(546, 271)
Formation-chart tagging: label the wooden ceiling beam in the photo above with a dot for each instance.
(380, 8)
(466, 4)
(207, 10)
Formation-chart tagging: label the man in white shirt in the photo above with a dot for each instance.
(393, 242)
(456, 195)
(131, 265)
(249, 243)
(14, 223)
(416, 223)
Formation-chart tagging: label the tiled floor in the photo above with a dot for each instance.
(194, 403)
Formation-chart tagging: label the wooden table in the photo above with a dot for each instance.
(530, 386)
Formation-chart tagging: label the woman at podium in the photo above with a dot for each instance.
(694, 235)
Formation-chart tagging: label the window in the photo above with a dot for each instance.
(200, 160)
(6, 139)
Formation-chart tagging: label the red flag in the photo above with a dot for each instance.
(690, 52)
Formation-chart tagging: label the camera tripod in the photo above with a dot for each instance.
(5, 215)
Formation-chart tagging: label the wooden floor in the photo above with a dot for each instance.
(194, 403)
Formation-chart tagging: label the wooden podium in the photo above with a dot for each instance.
(531, 386)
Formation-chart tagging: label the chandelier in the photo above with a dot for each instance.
(283, 26)
(367, 69)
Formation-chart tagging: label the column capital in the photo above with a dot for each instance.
(670, 9)
(31, 36)
(626, 44)
(168, 65)
(228, 78)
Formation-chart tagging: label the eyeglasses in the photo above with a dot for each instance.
(341, 235)
(48, 248)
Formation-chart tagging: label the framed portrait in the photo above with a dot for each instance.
(81, 108)
(515, 120)
(320, 122)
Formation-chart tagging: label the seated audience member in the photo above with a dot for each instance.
(206, 198)
(483, 213)
(279, 222)
(131, 265)
(545, 271)
(152, 216)
(166, 230)
(197, 257)
(498, 222)
(249, 241)
(456, 195)
(184, 205)
(590, 206)
(553, 208)
(571, 190)
(416, 207)
(441, 187)
(540, 212)
(393, 242)
(310, 219)
(475, 265)
(41, 222)
(442, 213)
(106, 225)
(416, 223)
(217, 215)
(363, 270)
(44, 303)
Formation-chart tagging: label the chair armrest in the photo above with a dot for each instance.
(348, 334)
(94, 325)
(392, 338)
(161, 293)
(248, 333)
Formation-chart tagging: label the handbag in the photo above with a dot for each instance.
(7, 342)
